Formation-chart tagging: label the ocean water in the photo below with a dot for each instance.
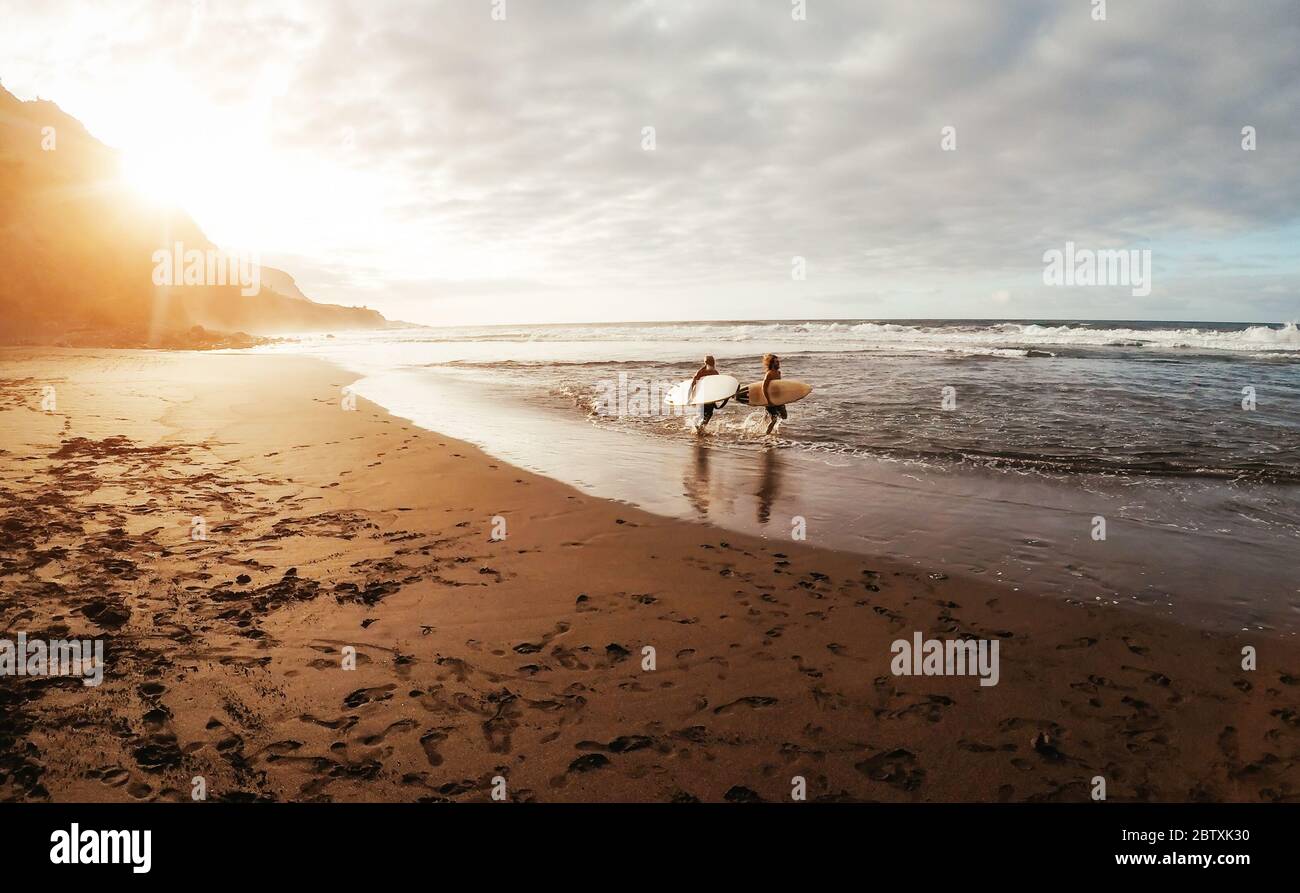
(976, 447)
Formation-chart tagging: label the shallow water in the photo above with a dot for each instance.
(1049, 428)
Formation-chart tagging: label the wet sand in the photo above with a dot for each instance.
(523, 658)
(1203, 552)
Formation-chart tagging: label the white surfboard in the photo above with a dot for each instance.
(711, 388)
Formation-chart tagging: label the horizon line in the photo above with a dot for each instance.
(858, 319)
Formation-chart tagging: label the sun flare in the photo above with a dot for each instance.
(154, 178)
(219, 183)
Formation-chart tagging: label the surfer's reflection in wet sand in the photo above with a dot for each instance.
(769, 485)
(695, 483)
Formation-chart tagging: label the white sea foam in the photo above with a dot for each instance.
(995, 336)
(502, 346)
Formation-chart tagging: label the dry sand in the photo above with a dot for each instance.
(523, 658)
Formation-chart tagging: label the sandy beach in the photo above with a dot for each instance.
(524, 657)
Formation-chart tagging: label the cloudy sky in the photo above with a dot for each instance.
(442, 164)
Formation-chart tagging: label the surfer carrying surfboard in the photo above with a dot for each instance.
(771, 373)
(711, 390)
(706, 409)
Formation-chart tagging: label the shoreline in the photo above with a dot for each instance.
(1166, 549)
(522, 658)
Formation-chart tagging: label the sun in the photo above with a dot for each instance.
(155, 178)
(222, 183)
(246, 189)
(213, 162)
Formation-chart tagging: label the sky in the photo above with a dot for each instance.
(444, 163)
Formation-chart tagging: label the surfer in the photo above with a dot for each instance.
(771, 372)
(706, 409)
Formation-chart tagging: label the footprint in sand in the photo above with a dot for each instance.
(1135, 647)
(342, 723)
(113, 777)
(401, 725)
(569, 659)
(753, 702)
(277, 749)
(621, 744)
(897, 768)
(369, 695)
(430, 741)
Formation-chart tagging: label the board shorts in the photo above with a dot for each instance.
(742, 397)
(706, 410)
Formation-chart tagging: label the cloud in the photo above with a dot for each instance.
(512, 150)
